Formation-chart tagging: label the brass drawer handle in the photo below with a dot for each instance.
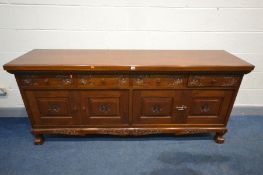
(181, 108)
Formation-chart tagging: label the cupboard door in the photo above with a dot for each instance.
(53, 107)
(105, 107)
(209, 106)
(157, 107)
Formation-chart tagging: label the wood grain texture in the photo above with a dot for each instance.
(128, 60)
(79, 92)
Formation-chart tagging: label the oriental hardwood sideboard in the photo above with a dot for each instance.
(128, 92)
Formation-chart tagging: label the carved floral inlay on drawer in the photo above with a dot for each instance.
(223, 81)
(159, 81)
(105, 108)
(54, 108)
(205, 108)
(46, 80)
(156, 108)
(102, 81)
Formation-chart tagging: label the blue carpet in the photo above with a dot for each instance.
(242, 152)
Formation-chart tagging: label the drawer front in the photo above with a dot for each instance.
(57, 81)
(159, 81)
(209, 106)
(105, 107)
(53, 107)
(102, 81)
(213, 81)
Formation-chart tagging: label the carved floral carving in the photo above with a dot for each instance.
(67, 81)
(178, 81)
(54, 108)
(205, 108)
(224, 81)
(67, 131)
(193, 131)
(123, 81)
(27, 81)
(195, 81)
(139, 81)
(230, 81)
(110, 131)
(126, 132)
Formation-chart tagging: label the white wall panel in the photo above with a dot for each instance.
(13, 99)
(253, 81)
(66, 18)
(147, 3)
(255, 59)
(3, 1)
(25, 40)
(114, 18)
(7, 80)
(195, 19)
(249, 97)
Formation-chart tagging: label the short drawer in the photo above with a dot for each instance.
(63, 81)
(213, 81)
(102, 81)
(159, 81)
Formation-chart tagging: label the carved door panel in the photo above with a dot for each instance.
(158, 107)
(105, 107)
(53, 107)
(209, 106)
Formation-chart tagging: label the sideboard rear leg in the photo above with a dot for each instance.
(219, 137)
(39, 139)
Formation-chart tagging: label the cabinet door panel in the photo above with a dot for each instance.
(53, 107)
(209, 106)
(157, 106)
(105, 107)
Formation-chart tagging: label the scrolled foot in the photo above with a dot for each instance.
(219, 137)
(39, 139)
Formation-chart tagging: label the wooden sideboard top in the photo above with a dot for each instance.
(128, 60)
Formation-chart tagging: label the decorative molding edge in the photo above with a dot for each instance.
(237, 111)
(128, 131)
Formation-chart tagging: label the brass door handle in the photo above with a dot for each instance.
(181, 108)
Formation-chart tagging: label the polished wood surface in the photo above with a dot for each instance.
(129, 60)
(178, 92)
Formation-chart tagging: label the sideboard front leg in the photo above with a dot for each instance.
(219, 137)
(39, 139)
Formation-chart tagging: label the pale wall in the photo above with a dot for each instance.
(232, 25)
